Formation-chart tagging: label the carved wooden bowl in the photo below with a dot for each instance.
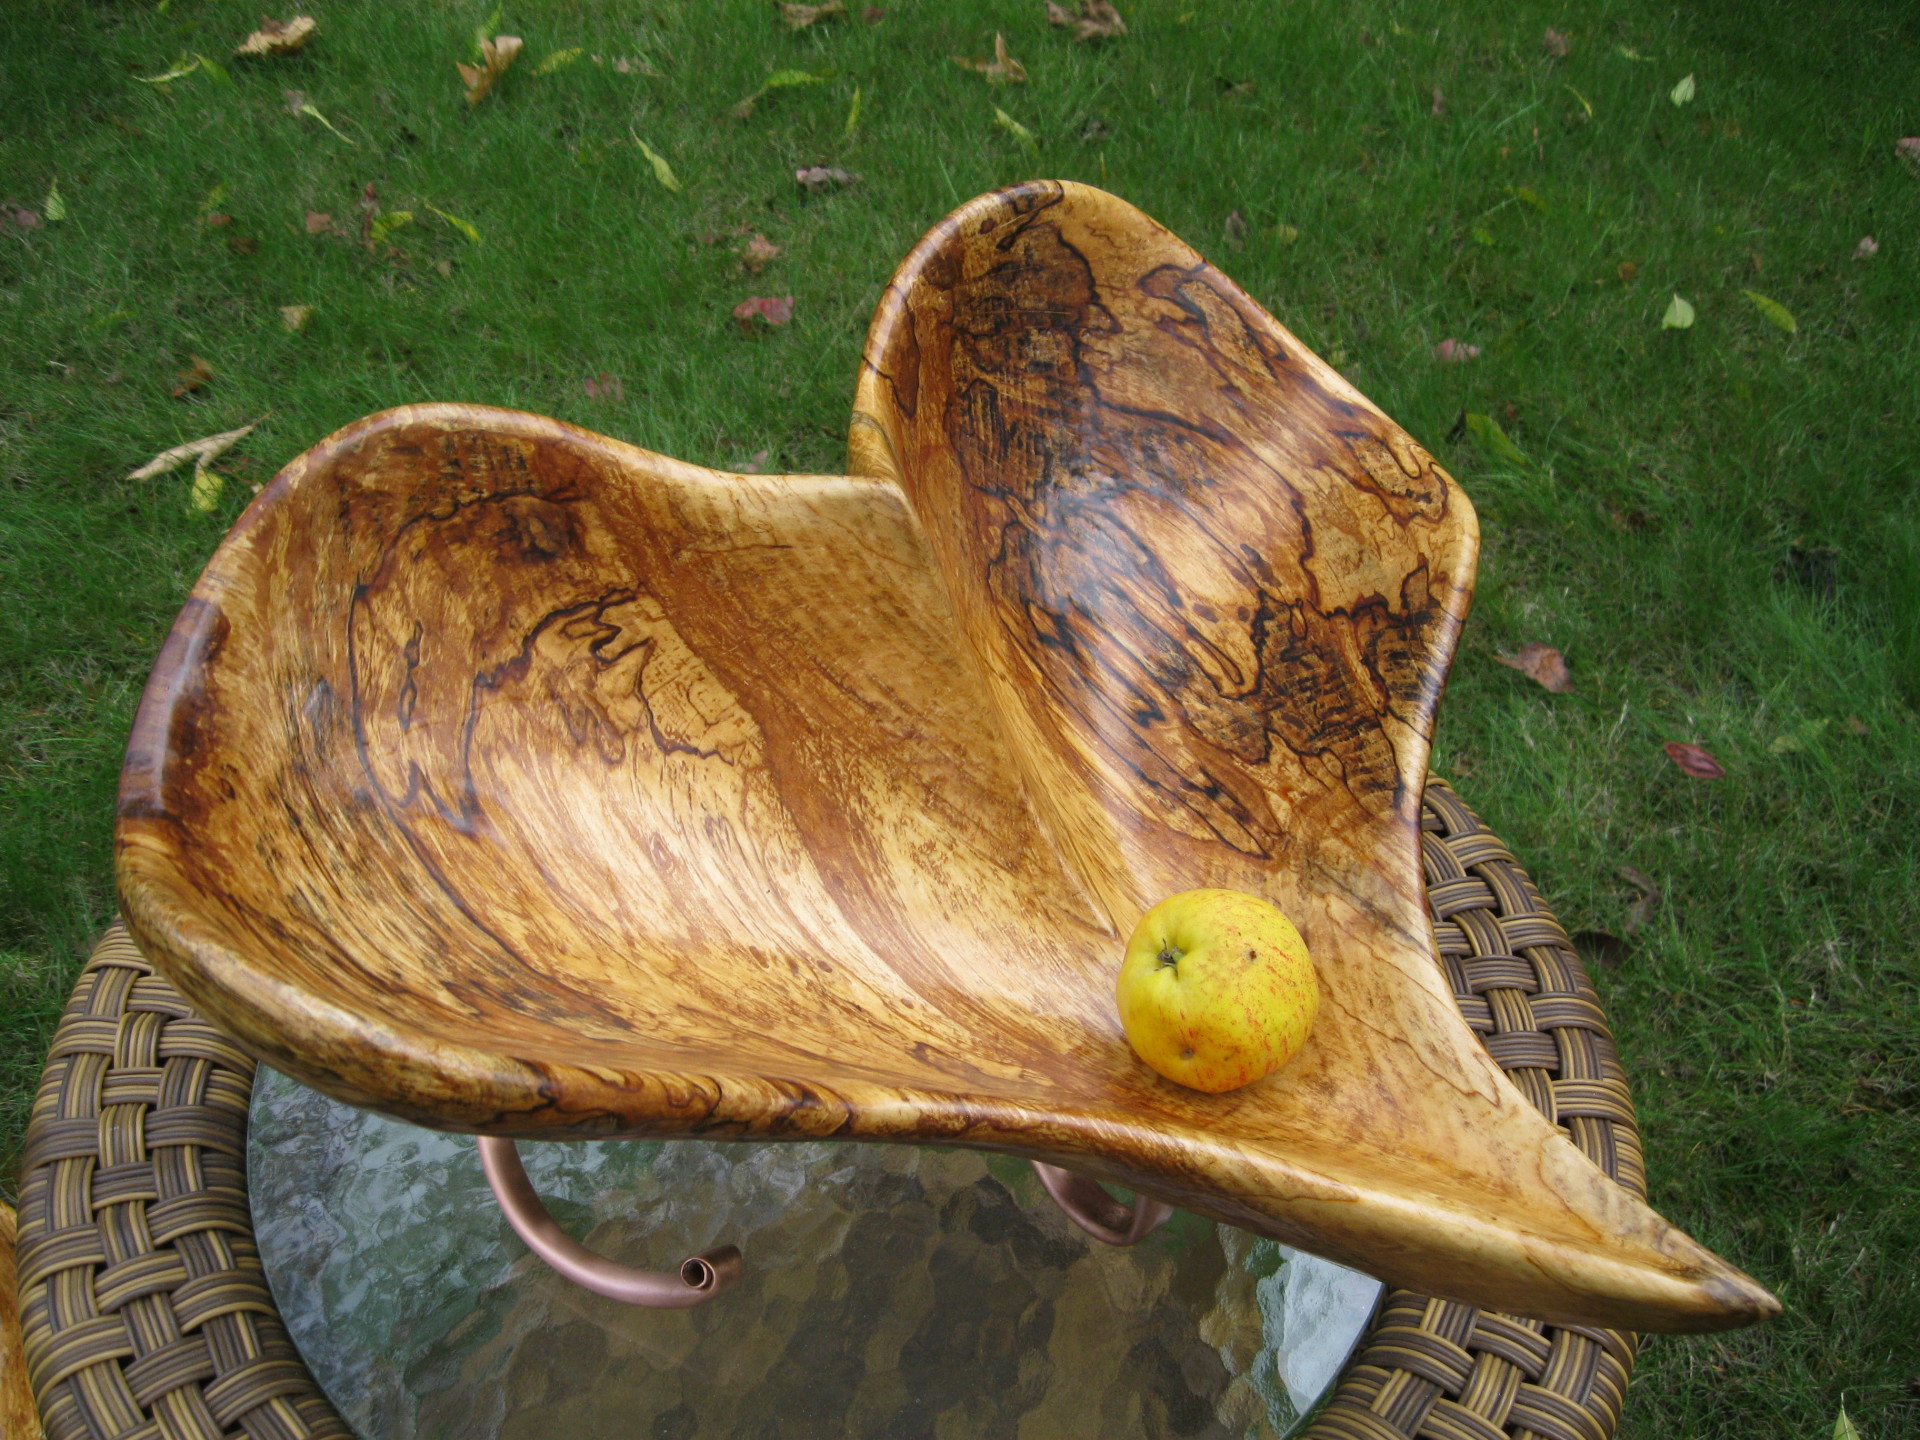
(511, 779)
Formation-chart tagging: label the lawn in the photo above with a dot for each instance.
(1716, 525)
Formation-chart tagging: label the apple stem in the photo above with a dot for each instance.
(1170, 958)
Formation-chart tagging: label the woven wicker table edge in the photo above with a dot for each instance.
(146, 1314)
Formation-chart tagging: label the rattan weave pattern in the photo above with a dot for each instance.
(145, 1312)
(1444, 1371)
(147, 1316)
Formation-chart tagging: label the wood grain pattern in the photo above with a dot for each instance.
(19, 1416)
(512, 779)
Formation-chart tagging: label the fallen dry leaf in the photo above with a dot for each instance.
(662, 171)
(205, 491)
(1694, 760)
(243, 244)
(1455, 352)
(1867, 248)
(1097, 20)
(194, 377)
(1003, 69)
(296, 101)
(465, 227)
(1554, 43)
(1777, 315)
(295, 317)
(818, 179)
(1628, 269)
(495, 56)
(1236, 230)
(754, 464)
(1542, 664)
(319, 222)
(1439, 106)
(313, 114)
(1908, 149)
(758, 253)
(770, 309)
(1014, 128)
(18, 217)
(1640, 912)
(1796, 740)
(278, 37)
(202, 452)
(369, 212)
(799, 17)
(605, 386)
(873, 14)
(218, 220)
(1854, 725)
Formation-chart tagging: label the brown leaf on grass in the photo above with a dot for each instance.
(296, 101)
(1867, 248)
(873, 14)
(1003, 69)
(202, 452)
(818, 179)
(758, 253)
(194, 377)
(759, 309)
(1097, 20)
(1554, 43)
(1908, 149)
(1543, 665)
(495, 56)
(218, 220)
(319, 222)
(295, 317)
(242, 244)
(1455, 352)
(754, 464)
(1439, 106)
(1854, 725)
(799, 17)
(278, 37)
(1646, 897)
(1236, 230)
(18, 217)
(605, 386)
(369, 213)
(1695, 760)
(1627, 270)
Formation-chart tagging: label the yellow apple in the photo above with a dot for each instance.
(1217, 989)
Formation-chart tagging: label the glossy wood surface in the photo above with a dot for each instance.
(512, 779)
(19, 1416)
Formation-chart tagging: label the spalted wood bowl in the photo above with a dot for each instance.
(511, 779)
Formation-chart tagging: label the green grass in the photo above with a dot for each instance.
(1665, 483)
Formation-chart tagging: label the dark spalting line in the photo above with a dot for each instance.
(558, 1002)
(1026, 571)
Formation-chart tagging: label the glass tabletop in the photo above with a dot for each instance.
(889, 1290)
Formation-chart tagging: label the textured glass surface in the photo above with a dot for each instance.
(889, 1291)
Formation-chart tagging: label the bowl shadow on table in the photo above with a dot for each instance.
(890, 1290)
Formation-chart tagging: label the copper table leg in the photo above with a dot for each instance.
(1098, 1213)
(699, 1279)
